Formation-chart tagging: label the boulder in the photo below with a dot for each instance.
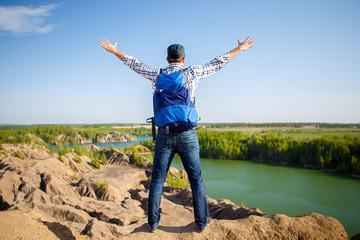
(116, 157)
(9, 184)
(178, 173)
(86, 187)
(101, 231)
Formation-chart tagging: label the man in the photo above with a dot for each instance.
(185, 143)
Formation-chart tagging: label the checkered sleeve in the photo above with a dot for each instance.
(202, 71)
(140, 68)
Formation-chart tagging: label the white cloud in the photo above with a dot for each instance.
(21, 19)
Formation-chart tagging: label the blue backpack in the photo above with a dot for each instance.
(173, 108)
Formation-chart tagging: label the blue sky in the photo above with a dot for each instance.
(304, 66)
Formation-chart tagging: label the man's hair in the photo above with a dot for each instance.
(177, 60)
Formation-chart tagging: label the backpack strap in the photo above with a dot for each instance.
(185, 78)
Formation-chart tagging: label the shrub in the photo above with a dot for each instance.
(95, 163)
(121, 149)
(62, 150)
(103, 159)
(27, 139)
(138, 160)
(141, 149)
(150, 144)
(150, 157)
(102, 186)
(19, 155)
(74, 176)
(52, 150)
(77, 159)
(80, 150)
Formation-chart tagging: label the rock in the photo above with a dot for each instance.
(92, 147)
(100, 230)
(53, 185)
(78, 137)
(356, 237)
(86, 187)
(15, 224)
(178, 173)
(127, 213)
(115, 137)
(12, 164)
(9, 182)
(142, 149)
(225, 209)
(66, 213)
(36, 198)
(116, 157)
(79, 167)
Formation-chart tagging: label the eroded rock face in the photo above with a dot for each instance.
(115, 157)
(115, 137)
(111, 203)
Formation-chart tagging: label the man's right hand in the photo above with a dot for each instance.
(108, 46)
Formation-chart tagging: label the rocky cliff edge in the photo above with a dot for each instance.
(43, 197)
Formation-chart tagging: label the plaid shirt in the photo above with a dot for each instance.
(194, 73)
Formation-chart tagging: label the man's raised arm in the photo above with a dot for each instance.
(133, 63)
(242, 46)
(112, 49)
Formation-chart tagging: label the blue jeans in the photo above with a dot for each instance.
(187, 146)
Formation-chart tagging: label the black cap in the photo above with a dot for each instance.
(176, 51)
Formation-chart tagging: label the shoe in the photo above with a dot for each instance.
(208, 221)
(153, 229)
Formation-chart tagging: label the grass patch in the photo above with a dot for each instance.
(177, 182)
(18, 154)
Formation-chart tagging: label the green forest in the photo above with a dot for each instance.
(49, 133)
(327, 152)
(341, 153)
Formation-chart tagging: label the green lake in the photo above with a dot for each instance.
(283, 189)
